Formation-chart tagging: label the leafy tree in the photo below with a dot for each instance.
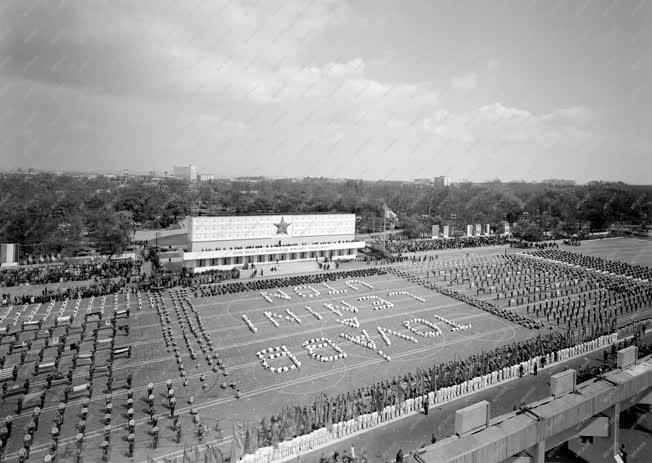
(110, 232)
(47, 213)
(528, 231)
(154, 257)
(413, 227)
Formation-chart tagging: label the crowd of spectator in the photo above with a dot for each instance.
(398, 246)
(530, 244)
(63, 272)
(99, 286)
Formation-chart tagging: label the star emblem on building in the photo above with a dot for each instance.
(282, 226)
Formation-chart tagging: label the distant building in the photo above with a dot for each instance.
(442, 181)
(205, 177)
(225, 242)
(187, 173)
(248, 179)
(422, 181)
(9, 253)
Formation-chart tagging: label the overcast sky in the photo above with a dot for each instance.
(360, 89)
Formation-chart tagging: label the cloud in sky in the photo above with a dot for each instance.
(573, 115)
(288, 89)
(466, 82)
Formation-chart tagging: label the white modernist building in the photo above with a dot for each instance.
(225, 242)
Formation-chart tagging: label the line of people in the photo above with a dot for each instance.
(296, 420)
(280, 282)
(597, 263)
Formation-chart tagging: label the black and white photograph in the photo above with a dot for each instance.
(325, 231)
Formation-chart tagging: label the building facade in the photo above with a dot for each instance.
(9, 254)
(187, 173)
(230, 241)
(442, 181)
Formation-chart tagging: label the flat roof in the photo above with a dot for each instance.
(231, 214)
(555, 415)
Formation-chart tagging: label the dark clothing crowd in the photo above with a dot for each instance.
(597, 263)
(279, 282)
(397, 246)
(529, 244)
(99, 286)
(59, 273)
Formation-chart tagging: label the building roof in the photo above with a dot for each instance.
(235, 214)
(514, 432)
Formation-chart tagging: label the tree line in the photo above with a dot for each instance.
(62, 213)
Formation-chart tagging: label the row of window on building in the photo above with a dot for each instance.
(271, 258)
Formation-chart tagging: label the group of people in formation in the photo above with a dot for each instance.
(233, 287)
(325, 410)
(597, 263)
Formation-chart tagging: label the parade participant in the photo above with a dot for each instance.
(105, 450)
(9, 421)
(131, 439)
(79, 439)
(173, 403)
(155, 433)
(4, 436)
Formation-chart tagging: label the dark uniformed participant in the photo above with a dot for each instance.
(131, 439)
